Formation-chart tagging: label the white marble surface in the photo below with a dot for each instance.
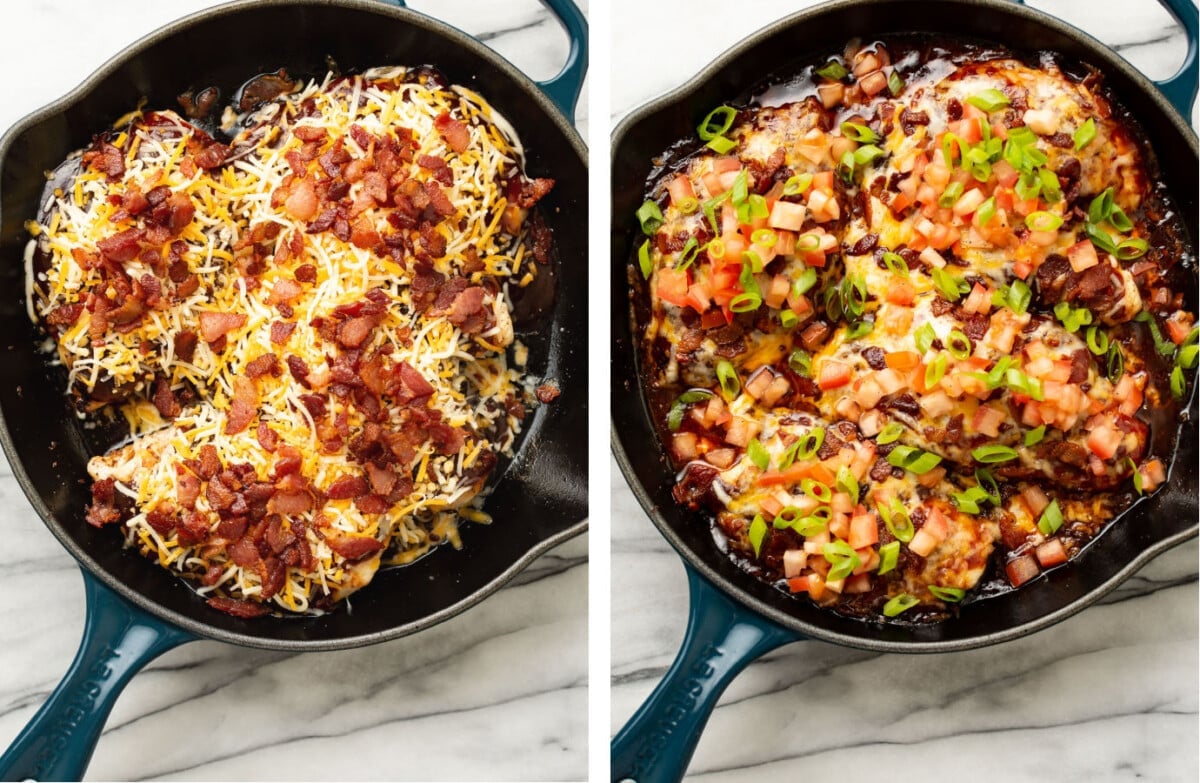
(498, 693)
(1109, 695)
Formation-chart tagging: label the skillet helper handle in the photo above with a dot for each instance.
(564, 87)
(1180, 89)
(118, 640)
(722, 637)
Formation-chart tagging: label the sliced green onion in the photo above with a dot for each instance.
(845, 167)
(1051, 519)
(789, 456)
(810, 443)
(1022, 136)
(715, 249)
(950, 595)
(746, 302)
(1085, 133)
(764, 237)
(691, 249)
(833, 70)
(1115, 362)
(721, 145)
(890, 433)
(1035, 435)
(951, 287)
(969, 500)
(718, 121)
(1178, 382)
(788, 319)
(867, 154)
(751, 260)
(1073, 318)
(1029, 186)
(1100, 238)
(843, 559)
(1050, 186)
(899, 604)
(913, 459)
(728, 378)
(808, 243)
(860, 329)
(1137, 475)
(647, 266)
(993, 452)
(853, 291)
(787, 517)
(1101, 207)
(995, 376)
(950, 195)
(758, 206)
(801, 363)
(895, 518)
(758, 531)
(709, 208)
(816, 490)
(740, 188)
(675, 415)
(1188, 356)
(1193, 336)
(986, 211)
(860, 133)
(1097, 340)
(895, 263)
(958, 344)
(797, 184)
(924, 337)
(889, 555)
(1018, 381)
(811, 525)
(1132, 248)
(987, 482)
(1119, 220)
(805, 282)
(650, 217)
(949, 142)
(1016, 296)
(1162, 345)
(758, 454)
(935, 370)
(688, 205)
(1043, 221)
(895, 83)
(989, 100)
(847, 483)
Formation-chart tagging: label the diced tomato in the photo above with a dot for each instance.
(1006, 176)
(967, 129)
(936, 524)
(1103, 440)
(922, 543)
(680, 189)
(823, 180)
(900, 291)
(839, 525)
(720, 458)
(714, 318)
(1004, 198)
(902, 360)
(968, 202)
(785, 243)
(833, 375)
(1178, 328)
(864, 531)
(787, 215)
(712, 183)
(1021, 569)
(1035, 498)
(1022, 269)
(842, 503)
(814, 584)
(987, 420)
(1153, 475)
(979, 300)
(797, 473)
(1082, 255)
(726, 163)
(1051, 553)
(770, 506)
(741, 430)
(859, 583)
(673, 286)
(794, 561)
(684, 446)
(759, 381)
(1024, 207)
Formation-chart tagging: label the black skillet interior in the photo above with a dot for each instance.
(542, 497)
(1168, 517)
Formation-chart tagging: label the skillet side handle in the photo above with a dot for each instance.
(118, 640)
(564, 88)
(1180, 89)
(722, 637)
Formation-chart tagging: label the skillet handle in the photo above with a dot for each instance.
(1180, 89)
(118, 640)
(564, 87)
(722, 637)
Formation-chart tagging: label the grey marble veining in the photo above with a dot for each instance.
(498, 693)
(1108, 695)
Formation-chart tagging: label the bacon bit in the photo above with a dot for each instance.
(64, 315)
(164, 399)
(354, 332)
(323, 222)
(309, 133)
(187, 489)
(466, 303)
(363, 234)
(244, 406)
(244, 553)
(354, 548)
(306, 273)
(383, 480)
(274, 575)
(267, 363)
(290, 503)
(232, 529)
(123, 246)
(548, 393)
(106, 158)
(284, 290)
(371, 504)
(243, 609)
(299, 369)
(192, 529)
(212, 156)
(438, 199)
(314, 404)
(455, 132)
(347, 487)
(302, 202)
(214, 326)
(281, 331)
(416, 388)
(103, 510)
(525, 193)
(209, 462)
(180, 209)
(212, 575)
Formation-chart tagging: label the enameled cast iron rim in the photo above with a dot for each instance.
(131, 52)
(1102, 54)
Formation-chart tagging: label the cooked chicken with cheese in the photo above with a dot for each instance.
(910, 326)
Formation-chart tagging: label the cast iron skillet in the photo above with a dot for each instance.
(734, 617)
(136, 610)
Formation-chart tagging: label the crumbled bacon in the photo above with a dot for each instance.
(525, 193)
(346, 487)
(354, 332)
(547, 393)
(284, 290)
(209, 462)
(281, 331)
(123, 246)
(214, 326)
(164, 399)
(301, 203)
(244, 406)
(455, 132)
(291, 502)
(212, 156)
(353, 548)
(64, 315)
(414, 387)
(467, 303)
(103, 509)
(243, 609)
(187, 489)
(267, 364)
(107, 158)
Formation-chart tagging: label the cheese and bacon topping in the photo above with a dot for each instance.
(910, 325)
(306, 329)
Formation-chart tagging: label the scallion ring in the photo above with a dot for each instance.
(728, 378)
(1130, 249)
(958, 344)
(1097, 340)
(650, 217)
(860, 133)
(756, 534)
(935, 370)
(1051, 519)
(746, 302)
(797, 184)
(718, 121)
(1178, 382)
(833, 70)
(951, 595)
(924, 337)
(890, 433)
(758, 454)
(816, 490)
(1035, 435)
(950, 195)
(993, 452)
(721, 145)
(810, 443)
(895, 263)
(1084, 134)
(804, 283)
(644, 262)
(895, 518)
(1043, 221)
(801, 363)
(764, 237)
(899, 604)
(988, 100)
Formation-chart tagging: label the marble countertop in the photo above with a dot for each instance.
(498, 693)
(1108, 695)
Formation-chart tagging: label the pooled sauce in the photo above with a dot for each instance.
(916, 325)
